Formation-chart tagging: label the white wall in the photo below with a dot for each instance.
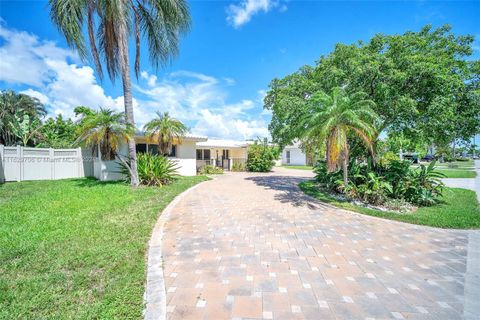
(185, 160)
(297, 157)
(19, 164)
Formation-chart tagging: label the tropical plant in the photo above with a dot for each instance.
(261, 157)
(160, 22)
(209, 169)
(58, 133)
(14, 106)
(25, 128)
(164, 129)
(425, 186)
(384, 183)
(106, 130)
(153, 170)
(238, 167)
(332, 119)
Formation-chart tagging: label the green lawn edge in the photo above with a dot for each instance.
(76, 248)
(459, 208)
(456, 173)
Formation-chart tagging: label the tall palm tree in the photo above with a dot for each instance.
(164, 129)
(161, 22)
(106, 130)
(333, 118)
(16, 105)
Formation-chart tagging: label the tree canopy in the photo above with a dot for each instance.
(424, 85)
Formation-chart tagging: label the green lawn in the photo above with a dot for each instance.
(459, 208)
(457, 173)
(298, 167)
(464, 169)
(76, 248)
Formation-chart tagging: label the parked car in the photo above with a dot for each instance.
(428, 158)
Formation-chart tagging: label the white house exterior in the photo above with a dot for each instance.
(293, 155)
(221, 153)
(183, 153)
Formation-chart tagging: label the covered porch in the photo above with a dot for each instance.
(225, 154)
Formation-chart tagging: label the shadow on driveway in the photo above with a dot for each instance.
(289, 190)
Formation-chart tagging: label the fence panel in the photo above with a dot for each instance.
(19, 164)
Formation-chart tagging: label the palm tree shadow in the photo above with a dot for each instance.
(289, 190)
(93, 182)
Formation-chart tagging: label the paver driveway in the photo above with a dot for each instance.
(252, 246)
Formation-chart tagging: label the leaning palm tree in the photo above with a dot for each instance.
(333, 118)
(164, 129)
(105, 131)
(160, 21)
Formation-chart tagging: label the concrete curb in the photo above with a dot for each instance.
(155, 295)
(471, 307)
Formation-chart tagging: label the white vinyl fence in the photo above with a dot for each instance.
(19, 164)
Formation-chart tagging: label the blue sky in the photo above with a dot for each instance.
(235, 48)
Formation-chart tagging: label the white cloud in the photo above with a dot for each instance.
(201, 100)
(40, 96)
(240, 14)
(55, 77)
(23, 57)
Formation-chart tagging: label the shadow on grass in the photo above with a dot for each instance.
(90, 182)
(289, 190)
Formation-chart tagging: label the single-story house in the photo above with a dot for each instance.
(221, 153)
(183, 153)
(293, 155)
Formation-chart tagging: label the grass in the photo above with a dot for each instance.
(457, 173)
(76, 248)
(298, 167)
(463, 169)
(458, 210)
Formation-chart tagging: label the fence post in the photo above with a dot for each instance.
(51, 158)
(20, 162)
(2, 163)
(80, 171)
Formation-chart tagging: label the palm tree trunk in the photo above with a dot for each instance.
(345, 171)
(345, 165)
(127, 96)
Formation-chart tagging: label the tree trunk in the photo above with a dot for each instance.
(127, 96)
(345, 165)
(453, 156)
(345, 171)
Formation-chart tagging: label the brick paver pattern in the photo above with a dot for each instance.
(252, 246)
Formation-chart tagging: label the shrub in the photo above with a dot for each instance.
(153, 170)
(261, 157)
(388, 157)
(238, 167)
(209, 169)
(379, 185)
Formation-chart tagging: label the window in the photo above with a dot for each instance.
(288, 157)
(141, 147)
(203, 154)
(173, 153)
(153, 149)
(206, 154)
(226, 154)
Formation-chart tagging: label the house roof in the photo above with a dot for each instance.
(295, 145)
(213, 143)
